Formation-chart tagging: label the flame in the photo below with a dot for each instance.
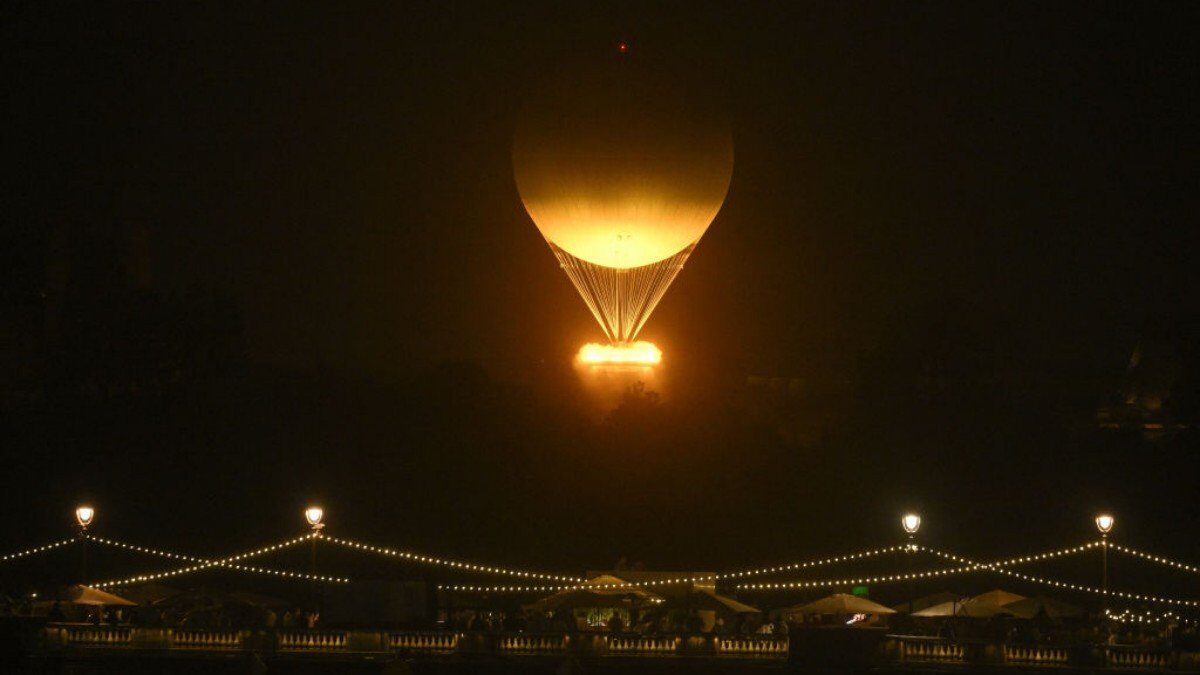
(630, 353)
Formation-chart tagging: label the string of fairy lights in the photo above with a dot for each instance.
(1155, 558)
(84, 516)
(447, 562)
(967, 565)
(812, 563)
(781, 585)
(182, 556)
(1146, 616)
(35, 550)
(591, 585)
(1065, 584)
(229, 562)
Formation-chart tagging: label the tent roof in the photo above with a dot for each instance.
(149, 592)
(972, 608)
(705, 599)
(1031, 607)
(733, 605)
(841, 603)
(86, 595)
(999, 597)
(610, 580)
(927, 601)
(595, 597)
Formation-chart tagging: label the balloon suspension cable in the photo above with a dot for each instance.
(622, 299)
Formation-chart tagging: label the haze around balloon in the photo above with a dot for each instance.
(620, 167)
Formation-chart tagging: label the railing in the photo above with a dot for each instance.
(97, 636)
(423, 642)
(901, 648)
(295, 641)
(532, 644)
(1142, 658)
(1037, 656)
(763, 647)
(932, 649)
(935, 650)
(203, 639)
(636, 645)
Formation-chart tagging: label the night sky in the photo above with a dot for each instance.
(258, 256)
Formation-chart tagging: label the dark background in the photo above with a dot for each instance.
(260, 256)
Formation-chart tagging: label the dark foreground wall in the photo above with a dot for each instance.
(146, 665)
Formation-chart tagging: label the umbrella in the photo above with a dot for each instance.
(1031, 607)
(86, 595)
(999, 597)
(841, 603)
(972, 608)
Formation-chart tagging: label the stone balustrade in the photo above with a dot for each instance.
(929, 650)
(1037, 656)
(760, 647)
(424, 642)
(97, 636)
(208, 639)
(895, 649)
(532, 644)
(637, 645)
(322, 641)
(1139, 659)
(934, 650)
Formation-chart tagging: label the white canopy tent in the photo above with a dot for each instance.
(1040, 604)
(973, 608)
(839, 604)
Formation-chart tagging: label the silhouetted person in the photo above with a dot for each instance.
(615, 624)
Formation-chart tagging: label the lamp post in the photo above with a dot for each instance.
(84, 515)
(314, 515)
(1104, 523)
(911, 523)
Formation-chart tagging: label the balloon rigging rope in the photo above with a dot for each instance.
(621, 299)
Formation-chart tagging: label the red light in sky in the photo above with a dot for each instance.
(622, 46)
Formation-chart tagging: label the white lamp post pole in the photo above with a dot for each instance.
(314, 515)
(84, 515)
(911, 523)
(1104, 523)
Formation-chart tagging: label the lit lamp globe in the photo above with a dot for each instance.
(1104, 523)
(84, 516)
(911, 523)
(314, 515)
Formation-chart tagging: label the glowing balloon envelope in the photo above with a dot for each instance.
(622, 171)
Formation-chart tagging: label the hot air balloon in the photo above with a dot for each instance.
(622, 169)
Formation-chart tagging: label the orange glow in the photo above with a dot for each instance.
(633, 353)
(622, 167)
